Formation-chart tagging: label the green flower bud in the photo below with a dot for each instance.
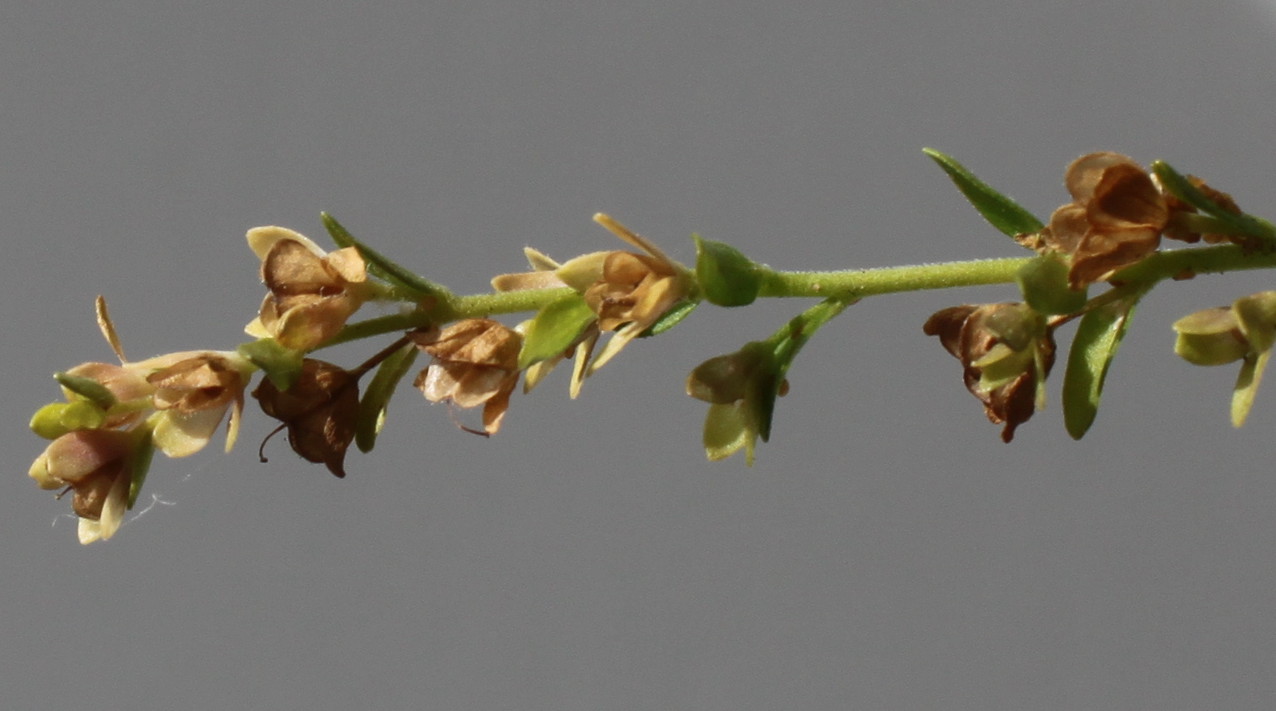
(1210, 337)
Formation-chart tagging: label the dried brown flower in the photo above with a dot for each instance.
(475, 363)
(628, 291)
(97, 465)
(1115, 219)
(312, 293)
(1006, 351)
(319, 411)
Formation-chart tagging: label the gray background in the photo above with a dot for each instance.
(887, 551)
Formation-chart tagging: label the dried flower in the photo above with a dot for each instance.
(193, 394)
(312, 293)
(181, 396)
(319, 411)
(475, 363)
(1006, 351)
(99, 466)
(629, 292)
(1115, 219)
(116, 415)
(561, 319)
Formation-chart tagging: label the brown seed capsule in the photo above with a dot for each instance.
(319, 411)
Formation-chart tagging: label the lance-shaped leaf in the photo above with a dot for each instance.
(555, 329)
(1000, 211)
(87, 388)
(376, 399)
(1096, 343)
(671, 318)
(1182, 188)
(379, 264)
(725, 275)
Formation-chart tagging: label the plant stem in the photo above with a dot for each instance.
(867, 282)
(842, 285)
(1172, 264)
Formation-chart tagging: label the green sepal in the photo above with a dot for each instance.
(380, 265)
(376, 398)
(725, 275)
(1210, 337)
(58, 418)
(1044, 283)
(762, 390)
(1256, 316)
(1000, 211)
(143, 452)
(281, 365)
(1180, 187)
(726, 432)
(1002, 364)
(554, 329)
(87, 388)
(1247, 385)
(1096, 343)
(671, 318)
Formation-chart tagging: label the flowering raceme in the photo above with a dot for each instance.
(1107, 240)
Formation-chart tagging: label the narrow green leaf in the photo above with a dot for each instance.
(376, 398)
(1180, 187)
(554, 329)
(380, 265)
(1000, 211)
(671, 318)
(725, 275)
(1095, 345)
(87, 388)
(281, 365)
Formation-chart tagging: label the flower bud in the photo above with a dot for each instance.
(1210, 337)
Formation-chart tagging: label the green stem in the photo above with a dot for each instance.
(1187, 263)
(1172, 264)
(844, 286)
(868, 282)
(505, 302)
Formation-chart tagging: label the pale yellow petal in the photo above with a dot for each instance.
(538, 260)
(180, 434)
(261, 239)
(631, 237)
